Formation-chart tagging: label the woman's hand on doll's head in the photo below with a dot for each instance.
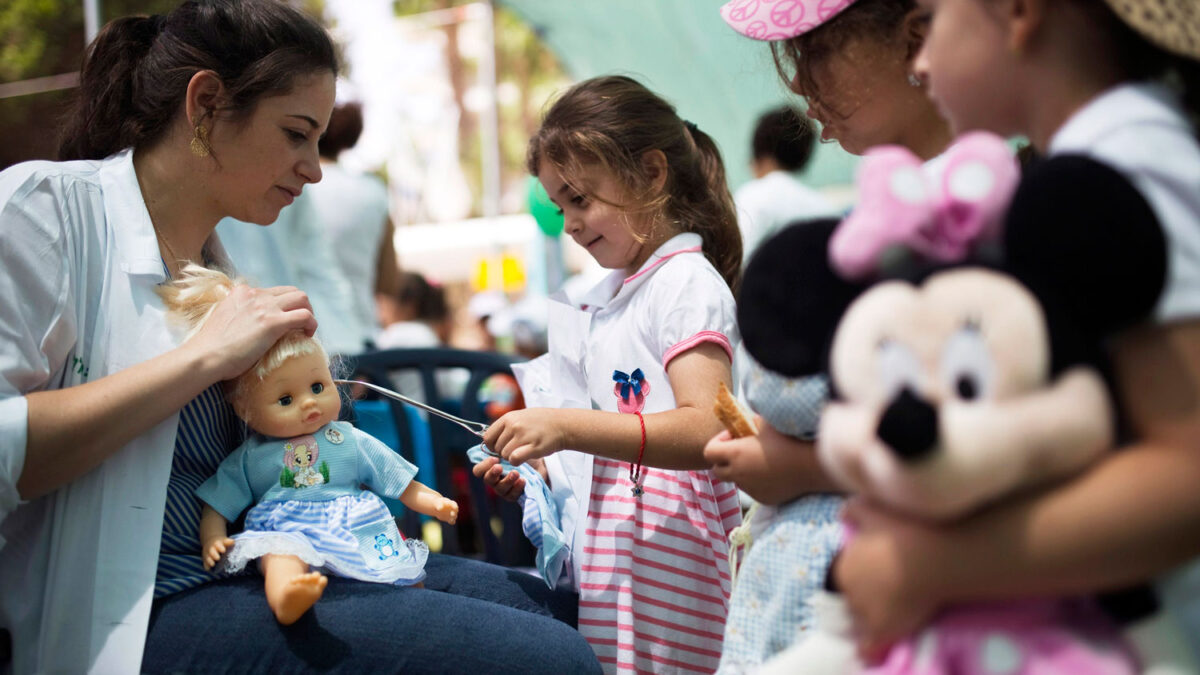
(760, 465)
(524, 435)
(245, 324)
(886, 573)
(215, 548)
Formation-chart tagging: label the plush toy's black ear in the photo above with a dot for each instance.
(1085, 241)
(791, 301)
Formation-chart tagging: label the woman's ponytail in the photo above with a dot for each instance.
(104, 118)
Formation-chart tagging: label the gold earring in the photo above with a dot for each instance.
(199, 144)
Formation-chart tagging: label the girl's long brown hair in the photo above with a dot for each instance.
(613, 121)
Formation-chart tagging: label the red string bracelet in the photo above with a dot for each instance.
(635, 469)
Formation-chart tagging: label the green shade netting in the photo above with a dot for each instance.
(685, 52)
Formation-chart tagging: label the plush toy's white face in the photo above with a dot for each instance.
(945, 402)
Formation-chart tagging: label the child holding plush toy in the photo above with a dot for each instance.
(851, 60)
(303, 472)
(1105, 90)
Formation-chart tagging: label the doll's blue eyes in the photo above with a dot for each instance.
(317, 387)
(285, 400)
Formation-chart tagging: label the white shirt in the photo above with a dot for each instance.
(1141, 131)
(78, 265)
(352, 209)
(296, 251)
(766, 204)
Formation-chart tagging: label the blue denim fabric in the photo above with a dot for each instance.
(470, 618)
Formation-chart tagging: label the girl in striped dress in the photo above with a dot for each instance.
(633, 371)
(303, 472)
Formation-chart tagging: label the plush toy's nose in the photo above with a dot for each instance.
(909, 426)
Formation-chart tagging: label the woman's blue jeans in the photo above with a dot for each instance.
(471, 617)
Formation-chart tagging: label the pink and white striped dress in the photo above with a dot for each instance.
(654, 586)
(652, 570)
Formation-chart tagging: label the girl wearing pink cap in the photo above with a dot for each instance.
(852, 61)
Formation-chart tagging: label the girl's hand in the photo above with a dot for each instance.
(524, 435)
(509, 485)
(763, 465)
(244, 325)
(887, 575)
(446, 511)
(213, 549)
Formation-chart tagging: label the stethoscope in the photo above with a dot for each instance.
(476, 428)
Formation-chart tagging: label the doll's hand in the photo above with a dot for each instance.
(524, 435)
(446, 511)
(761, 465)
(244, 325)
(215, 548)
(886, 575)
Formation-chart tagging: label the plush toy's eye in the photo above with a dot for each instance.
(898, 368)
(968, 371)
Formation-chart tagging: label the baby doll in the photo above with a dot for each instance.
(302, 473)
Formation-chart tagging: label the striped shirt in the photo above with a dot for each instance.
(208, 431)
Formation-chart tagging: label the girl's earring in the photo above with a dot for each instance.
(913, 80)
(199, 144)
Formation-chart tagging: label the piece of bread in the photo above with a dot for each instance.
(730, 413)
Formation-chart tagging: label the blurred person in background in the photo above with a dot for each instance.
(413, 312)
(352, 208)
(783, 143)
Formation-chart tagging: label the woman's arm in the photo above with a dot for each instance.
(674, 439)
(387, 269)
(72, 430)
(770, 466)
(1133, 516)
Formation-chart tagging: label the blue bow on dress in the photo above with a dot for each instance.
(632, 381)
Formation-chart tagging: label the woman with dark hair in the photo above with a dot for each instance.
(107, 422)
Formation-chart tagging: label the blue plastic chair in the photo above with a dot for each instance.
(434, 444)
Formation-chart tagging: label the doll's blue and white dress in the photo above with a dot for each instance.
(309, 502)
(793, 544)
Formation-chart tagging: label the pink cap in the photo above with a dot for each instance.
(779, 19)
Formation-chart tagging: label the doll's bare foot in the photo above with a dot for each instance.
(296, 596)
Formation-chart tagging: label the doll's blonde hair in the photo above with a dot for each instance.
(190, 300)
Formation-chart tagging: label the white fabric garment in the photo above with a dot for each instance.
(1140, 130)
(78, 265)
(766, 204)
(352, 209)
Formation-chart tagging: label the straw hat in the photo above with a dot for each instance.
(1173, 25)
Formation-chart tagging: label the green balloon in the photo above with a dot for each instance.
(545, 213)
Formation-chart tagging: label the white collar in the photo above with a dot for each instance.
(617, 286)
(135, 239)
(1117, 107)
